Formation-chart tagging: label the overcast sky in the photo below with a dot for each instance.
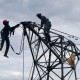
(63, 14)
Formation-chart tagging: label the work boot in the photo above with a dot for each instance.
(6, 56)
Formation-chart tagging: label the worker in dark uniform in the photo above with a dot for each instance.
(46, 24)
(5, 36)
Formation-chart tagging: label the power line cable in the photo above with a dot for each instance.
(23, 57)
(69, 35)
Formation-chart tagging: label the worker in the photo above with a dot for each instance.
(5, 35)
(46, 24)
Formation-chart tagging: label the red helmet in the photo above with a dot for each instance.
(5, 22)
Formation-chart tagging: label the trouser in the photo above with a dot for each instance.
(46, 33)
(7, 45)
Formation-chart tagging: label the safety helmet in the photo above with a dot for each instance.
(5, 22)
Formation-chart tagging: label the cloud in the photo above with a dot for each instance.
(64, 15)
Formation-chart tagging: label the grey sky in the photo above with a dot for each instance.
(64, 15)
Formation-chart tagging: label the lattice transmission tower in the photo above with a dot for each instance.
(55, 60)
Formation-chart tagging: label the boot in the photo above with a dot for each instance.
(6, 56)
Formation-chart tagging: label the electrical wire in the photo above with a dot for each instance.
(69, 35)
(21, 49)
(23, 57)
(21, 46)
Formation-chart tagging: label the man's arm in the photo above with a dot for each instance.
(12, 29)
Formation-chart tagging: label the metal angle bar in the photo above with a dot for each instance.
(42, 69)
(57, 49)
(38, 49)
(49, 58)
(42, 66)
(76, 52)
(43, 54)
(65, 54)
(29, 44)
(42, 47)
(67, 67)
(56, 52)
(54, 62)
(48, 75)
(51, 77)
(38, 72)
(53, 67)
(56, 58)
(71, 51)
(56, 74)
(55, 33)
(77, 49)
(30, 72)
(43, 75)
(55, 39)
(34, 41)
(75, 73)
(31, 37)
(49, 64)
(66, 49)
(33, 73)
(36, 77)
(68, 73)
(62, 69)
(47, 72)
(45, 42)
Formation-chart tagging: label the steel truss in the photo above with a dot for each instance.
(50, 59)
